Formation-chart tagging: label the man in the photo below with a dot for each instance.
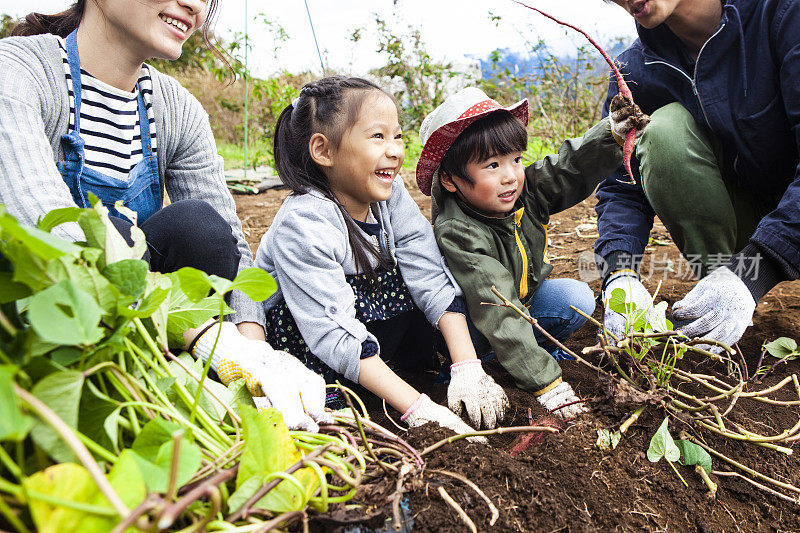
(718, 163)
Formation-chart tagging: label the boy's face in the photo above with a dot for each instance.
(498, 182)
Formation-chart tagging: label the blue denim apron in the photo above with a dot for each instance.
(141, 192)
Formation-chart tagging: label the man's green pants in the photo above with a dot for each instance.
(708, 216)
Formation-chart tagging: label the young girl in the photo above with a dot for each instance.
(360, 277)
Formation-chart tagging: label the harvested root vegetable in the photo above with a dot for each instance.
(630, 137)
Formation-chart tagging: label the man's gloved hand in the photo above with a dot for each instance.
(562, 394)
(275, 379)
(625, 115)
(424, 410)
(634, 293)
(720, 307)
(480, 395)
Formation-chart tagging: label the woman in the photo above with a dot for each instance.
(80, 113)
(718, 163)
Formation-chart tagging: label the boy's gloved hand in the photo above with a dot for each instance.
(625, 115)
(480, 395)
(635, 292)
(720, 307)
(424, 411)
(562, 394)
(275, 379)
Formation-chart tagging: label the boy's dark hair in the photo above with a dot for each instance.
(498, 133)
(329, 106)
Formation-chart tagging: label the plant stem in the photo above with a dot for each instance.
(498, 431)
(677, 473)
(66, 433)
(712, 487)
(750, 471)
(631, 419)
(12, 518)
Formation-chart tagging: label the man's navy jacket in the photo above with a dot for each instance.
(745, 88)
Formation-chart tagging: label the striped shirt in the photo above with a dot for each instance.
(110, 121)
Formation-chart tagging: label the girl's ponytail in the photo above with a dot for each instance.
(61, 24)
(329, 106)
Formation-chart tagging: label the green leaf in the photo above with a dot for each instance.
(57, 217)
(128, 275)
(662, 445)
(72, 484)
(658, 318)
(93, 412)
(256, 283)
(183, 313)
(607, 440)
(40, 243)
(13, 424)
(89, 279)
(153, 452)
(61, 392)
(10, 290)
(619, 302)
(65, 314)
(29, 269)
(781, 347)
(194, 283)
(269, 448)
(693, 454)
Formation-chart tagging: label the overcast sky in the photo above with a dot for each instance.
(451, 29)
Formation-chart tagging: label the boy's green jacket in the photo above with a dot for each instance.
(511, 252)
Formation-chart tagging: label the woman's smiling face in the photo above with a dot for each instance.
(154, 28)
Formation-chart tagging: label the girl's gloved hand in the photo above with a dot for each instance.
(424, 410)
(635, 293)
(562, 394)
(474, 390)
(275, 379)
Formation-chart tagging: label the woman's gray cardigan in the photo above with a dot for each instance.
(308, 253)
(34, 113)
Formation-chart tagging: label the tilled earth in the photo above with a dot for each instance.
(565, 482)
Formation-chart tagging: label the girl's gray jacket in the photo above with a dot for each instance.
(308, 253)
(34, 113)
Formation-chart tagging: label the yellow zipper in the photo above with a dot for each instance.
(523, 283)
(544, 254)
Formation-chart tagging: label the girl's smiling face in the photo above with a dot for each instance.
(363, 167)
(153, 28)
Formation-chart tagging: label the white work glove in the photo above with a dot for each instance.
(625, 115)
(424, 411)
(562, 394)
(275, 379)
(480, 395)
(720, 307)
(634, 293)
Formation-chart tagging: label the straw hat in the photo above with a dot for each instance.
(445, 123)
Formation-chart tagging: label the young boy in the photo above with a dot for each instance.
(490, 216)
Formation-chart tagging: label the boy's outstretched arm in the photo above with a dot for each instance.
(561, 180)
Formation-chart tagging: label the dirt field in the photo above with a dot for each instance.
(566, 483)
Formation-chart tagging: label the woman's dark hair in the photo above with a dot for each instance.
(62, 24)
(498, 133)
(329, 106)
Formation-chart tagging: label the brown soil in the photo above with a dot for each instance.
(566, 483)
